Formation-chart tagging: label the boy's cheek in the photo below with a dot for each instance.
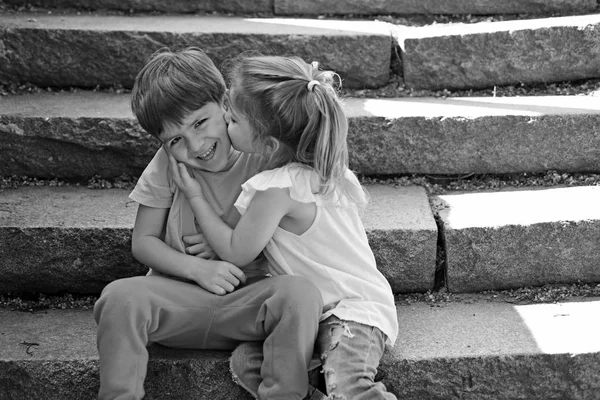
(175, 153)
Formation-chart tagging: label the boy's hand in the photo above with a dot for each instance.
(188, 185)
(219, 277)
(196, 245)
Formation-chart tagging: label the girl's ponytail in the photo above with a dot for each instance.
(323, 142)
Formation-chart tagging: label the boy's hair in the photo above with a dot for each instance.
(173, 84)
(307, 121)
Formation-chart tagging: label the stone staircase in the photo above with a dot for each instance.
(479, 346)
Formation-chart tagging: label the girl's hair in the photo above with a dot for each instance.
(172, 85)
(295, 113)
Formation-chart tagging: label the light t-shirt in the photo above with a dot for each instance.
(333, 253)
(155, 188)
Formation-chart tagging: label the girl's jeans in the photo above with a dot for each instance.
(282, 311)
(349, 352)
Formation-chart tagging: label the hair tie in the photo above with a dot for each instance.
(312, 84)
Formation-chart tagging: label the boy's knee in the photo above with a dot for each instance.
(300, 291)
(121, 289)
(122, 293)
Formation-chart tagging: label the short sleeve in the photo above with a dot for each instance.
(154, 187)
(303, 183)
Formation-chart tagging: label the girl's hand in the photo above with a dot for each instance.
(196, 245)
(184, 181)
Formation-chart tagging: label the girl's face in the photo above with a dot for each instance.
(239, 129)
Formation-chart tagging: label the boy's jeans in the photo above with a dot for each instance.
(349, 352)
(283, 311)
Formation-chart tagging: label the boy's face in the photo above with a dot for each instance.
(201, 141)
(239, 129)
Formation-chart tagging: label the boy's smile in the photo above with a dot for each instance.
(201, 140)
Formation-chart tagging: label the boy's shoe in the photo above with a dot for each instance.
(245, 364)
(315, 394)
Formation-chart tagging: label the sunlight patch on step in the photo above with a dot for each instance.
(570, 327)
(472, 107)
(580, 21)
(521, 207)
(373, 27)
(197, 24)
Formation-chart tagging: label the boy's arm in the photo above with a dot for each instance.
(218, 277)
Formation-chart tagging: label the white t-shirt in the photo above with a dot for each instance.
(333, 253)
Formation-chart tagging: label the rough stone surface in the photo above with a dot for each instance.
(482, 145)
(78, 240)
(170, 6)
(65, 239)
(517, 238)
(475, 350)
(484, 350)
(460, 56)
(82, 134)
(90, 50)
(385, 7)
(474, 135)
(72, 135)
(64, 364)
(403, 236)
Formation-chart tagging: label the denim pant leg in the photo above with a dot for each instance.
(350, 353)
(246, 362)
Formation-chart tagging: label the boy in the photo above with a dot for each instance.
(189, 299)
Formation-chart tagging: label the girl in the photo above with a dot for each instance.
(304, 212)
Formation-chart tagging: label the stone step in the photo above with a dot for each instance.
(476, 348)
(474, 7)
(516, 238)
(317, 7)
(87, 50)
(105, 49)
(78, 240)
(485, 54)
(85, 133)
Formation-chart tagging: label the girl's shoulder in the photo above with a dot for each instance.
(297, 178)
(303, 184)
(302, 181)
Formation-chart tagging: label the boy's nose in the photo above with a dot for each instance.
(195, 145)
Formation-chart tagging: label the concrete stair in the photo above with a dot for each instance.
(463, 56)
(106, 49)
(317, 7)
(110, 50)
(86, 133)
(77, 240)
(74, 239)
(475, 346)
(515, 238)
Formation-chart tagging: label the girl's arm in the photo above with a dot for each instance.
(241, 245)
(148, 247)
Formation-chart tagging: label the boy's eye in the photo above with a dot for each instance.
(197, 124)
(174, 141)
